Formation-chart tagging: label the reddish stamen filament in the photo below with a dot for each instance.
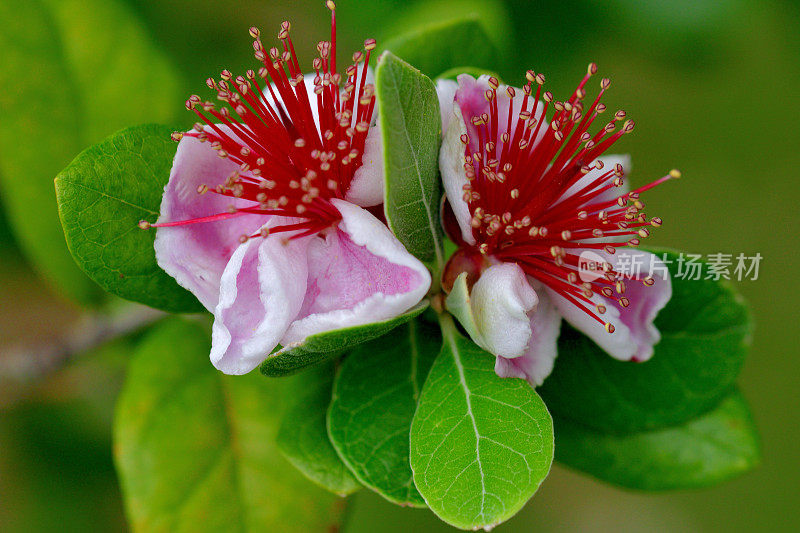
(517, 183)
(288, 164)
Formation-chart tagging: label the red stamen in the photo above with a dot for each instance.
(518, 174)
(288, 164)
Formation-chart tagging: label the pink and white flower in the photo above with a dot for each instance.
(527, 198)
(264, 217)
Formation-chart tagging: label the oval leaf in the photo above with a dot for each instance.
(411, 129)
(196, 449)
(707, 450)
(321, 347)
(102, 196)
(480, 444)
(374, 399)
(92, 60)
(303, 435)
(705, 330)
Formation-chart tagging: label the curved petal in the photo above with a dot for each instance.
(446, 91)
(454, 177)
(537, 362)
(500, 301)
(618, 345)
(262, 291)
(635, 334)
(196, 254)
(645, 301)
(308, 83)
(358, 273)
(471, 99)
(367, 186)
(609, 162)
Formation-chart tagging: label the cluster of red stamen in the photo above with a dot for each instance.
(518, 170)
(288, 165)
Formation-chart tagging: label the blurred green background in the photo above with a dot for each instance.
(713, 87)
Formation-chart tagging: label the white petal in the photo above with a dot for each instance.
(609, 162)
(454, 177)
(618, 344)
(261, 292)
(308, 81)
(358, 274)
(446, 91)
(501, 300)
(367, 186)
(537, 361)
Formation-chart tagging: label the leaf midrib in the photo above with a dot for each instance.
(437, 245)
(64, 179)
(448, 332)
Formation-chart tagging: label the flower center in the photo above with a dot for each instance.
(527, 193)
(295, 151)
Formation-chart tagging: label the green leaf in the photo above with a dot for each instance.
(316, 349)
(706, 330)
(374, 399)
(480, 444)
(102, 196)
(707, 450)
(196, 449)
(438, 47)
(411, 128)
(72, 72)
(303, 435)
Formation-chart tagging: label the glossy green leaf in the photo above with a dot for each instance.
(72, 72)
(480, 444)
(374, 399)
(411, 129)
(706, 330)
(195, 449)
(303, 435)
(716, 446)
(102, 196)
(316, 349)
(438, 47)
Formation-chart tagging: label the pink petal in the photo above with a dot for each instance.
(501, 300)
(261, 292)
(358, 273)
(645, 302)
(536, 363)
(635, 334)
(196, 254)
(471, 100)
